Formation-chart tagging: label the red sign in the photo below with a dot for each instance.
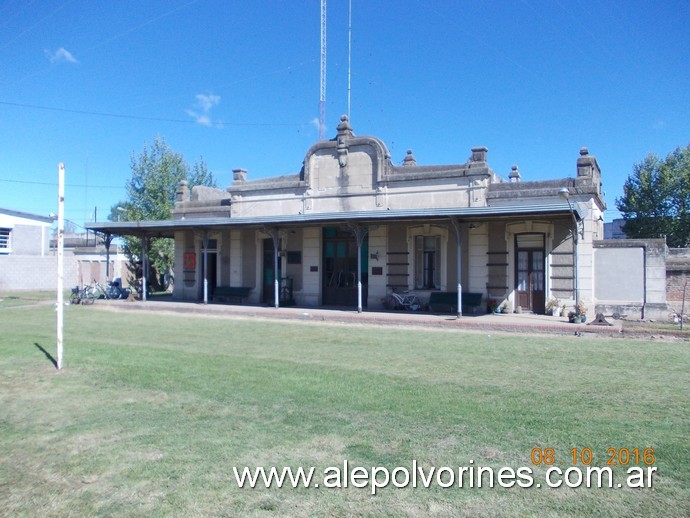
(189, 261)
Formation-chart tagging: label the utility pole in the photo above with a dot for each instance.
(60, 306)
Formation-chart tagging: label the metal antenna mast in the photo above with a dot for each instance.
(349, 58)
(322, 96)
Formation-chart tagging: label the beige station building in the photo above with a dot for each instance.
(350, 226)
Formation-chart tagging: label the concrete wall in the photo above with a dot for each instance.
(630, 278)
(33, 272)
(29, 240)
(28, 235)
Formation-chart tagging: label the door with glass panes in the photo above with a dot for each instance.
(530, 272)
(340, 268)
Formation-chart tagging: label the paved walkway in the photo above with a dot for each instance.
(512, 322)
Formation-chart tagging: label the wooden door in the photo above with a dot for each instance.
(530, 273)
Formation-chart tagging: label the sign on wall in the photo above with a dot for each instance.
(189, 261)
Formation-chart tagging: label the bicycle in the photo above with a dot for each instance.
(112, 292)
(99, 291)
(82, 295)
(402, 301)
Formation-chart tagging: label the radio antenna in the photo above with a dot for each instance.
(349, 59)
(322, 94)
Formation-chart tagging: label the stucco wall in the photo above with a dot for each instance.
(29, 240)
(630, 278)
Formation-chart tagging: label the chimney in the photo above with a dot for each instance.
(479, 154)
(514, 174)
(239, 175)
(182, 193)
(587, 164)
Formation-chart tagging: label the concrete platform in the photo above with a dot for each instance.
(504, 322)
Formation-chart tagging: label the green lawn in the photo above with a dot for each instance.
(152, 412)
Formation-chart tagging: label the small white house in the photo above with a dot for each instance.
(22, 233)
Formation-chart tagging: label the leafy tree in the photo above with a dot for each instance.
(156, 173)
(117, 211)
(656, 199)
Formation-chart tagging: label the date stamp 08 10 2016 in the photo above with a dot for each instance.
(614, 457)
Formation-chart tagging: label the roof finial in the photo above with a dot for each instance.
(409, 160)
(344, 128)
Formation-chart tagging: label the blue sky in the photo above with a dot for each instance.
(237, 83)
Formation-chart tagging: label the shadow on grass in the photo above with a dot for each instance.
(47, 354)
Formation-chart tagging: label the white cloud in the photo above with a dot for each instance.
(659, 125)
(315, 122)
(61, 55)
(200, 118)
(206, 102)
(202, 111)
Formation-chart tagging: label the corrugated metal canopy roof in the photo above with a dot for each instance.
(166, 228)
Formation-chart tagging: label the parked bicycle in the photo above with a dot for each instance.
(116, 290)
(402, 301)
(83, 295)
(100, 291)
(111, 292)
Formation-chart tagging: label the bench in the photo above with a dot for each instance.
(447, 302)
(227, 293)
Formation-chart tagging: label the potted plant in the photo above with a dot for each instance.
(553, 307)
(492, 305)
(579, 315)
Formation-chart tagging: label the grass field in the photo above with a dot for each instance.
(153, 411)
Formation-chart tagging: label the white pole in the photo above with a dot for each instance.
(60, 266)
(144, 266)
(205, 244)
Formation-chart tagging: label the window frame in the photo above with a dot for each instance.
(440, 233)
(7, 240)
(425, 245)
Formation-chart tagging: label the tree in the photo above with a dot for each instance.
(656, 198)
(156, 173)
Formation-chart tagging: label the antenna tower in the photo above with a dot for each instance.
(322, 95)
(349, 58)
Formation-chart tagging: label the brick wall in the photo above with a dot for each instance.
(677, 275)
(31, 272)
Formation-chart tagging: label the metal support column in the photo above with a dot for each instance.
(275, 234)
(458, 238)
(107, 240)
(360, 234)
(204, 243)
(144, 266)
